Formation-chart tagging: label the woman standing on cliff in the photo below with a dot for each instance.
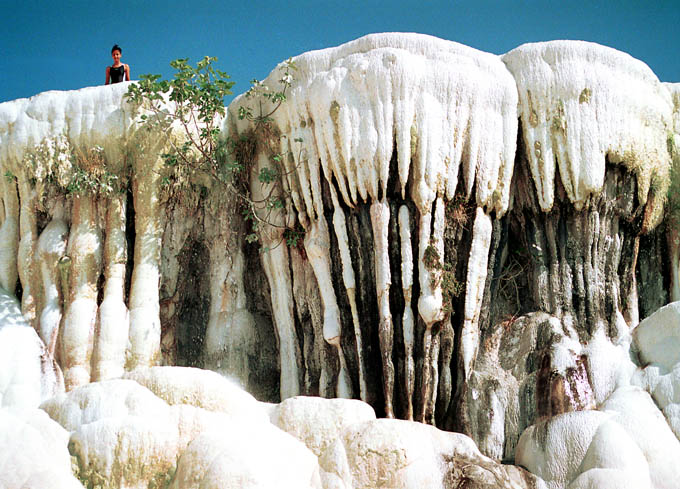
(118, 71)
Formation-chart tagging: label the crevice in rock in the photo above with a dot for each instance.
(130, 238)
(193, 310)
(263, 369)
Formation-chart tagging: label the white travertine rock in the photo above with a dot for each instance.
(123, 436)
(554, 449)
(85, 252)
(145, 324)
(230, 333)
(609, 363)
(9, 234)
(94, 116)
(318, 422)
(200, 388)
(42, 140)
(275, 265)
(474, 292)
(581, 103)
(608, 479)
(664, 387)
(674, 89)
(246, 456)
(340, 228)
(33, 451)
(28, 374)
(99, 400)
(403, 455)
(51, 247)
(613, 451)
(438, 99)
(645, 424)
(628, 437)
(657, 337)
(113, 319)
(672, 414)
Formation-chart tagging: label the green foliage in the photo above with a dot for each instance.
(293, 237)
(55, 167)
(193, 101)
(85, 182)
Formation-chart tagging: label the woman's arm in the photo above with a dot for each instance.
(127, 72)
(108, 75)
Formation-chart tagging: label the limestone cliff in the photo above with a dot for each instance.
(481, 235)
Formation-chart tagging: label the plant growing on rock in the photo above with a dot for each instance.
(188, 111)
(56, 167)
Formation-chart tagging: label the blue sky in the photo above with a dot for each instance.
(66, 45)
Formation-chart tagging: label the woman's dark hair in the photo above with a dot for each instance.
(116, 47)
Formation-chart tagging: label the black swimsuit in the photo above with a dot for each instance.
(117, 74)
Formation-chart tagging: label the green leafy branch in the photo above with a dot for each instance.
(193, 102)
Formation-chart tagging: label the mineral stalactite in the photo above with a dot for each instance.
(476, 236)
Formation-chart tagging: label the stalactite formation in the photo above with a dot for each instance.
(477, 233)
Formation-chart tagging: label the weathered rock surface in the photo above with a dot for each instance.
(402, 454)
(28, 373)
(33, 451)
(201, 388)
(456, 267)
(318, 422)
(246, 455)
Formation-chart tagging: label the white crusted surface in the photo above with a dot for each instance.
(145, 324)
(85, 251)
(317, 243)
(246, 456)
(581, 102)
(318, 422)
(113, 319)
(629, 436)
(318, 246)
(555, 449)
(27, 374)
(438, 99)
(674, 90)
(380, 220)
(230, 333)
(406, 455)
(88, 117)
(474, 289)
(122, 435)
(9, 234)
(658, 337)
(200, 388)
(340, 228)
(51, 247)
(612, 448)
(636, 412)
(275, 265)
(609, 479)
(33, 452)
(609, 364)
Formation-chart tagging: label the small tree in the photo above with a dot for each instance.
(188, 110)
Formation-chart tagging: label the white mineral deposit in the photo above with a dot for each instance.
(485, 244)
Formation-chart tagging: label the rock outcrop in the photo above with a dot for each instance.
(480, 237)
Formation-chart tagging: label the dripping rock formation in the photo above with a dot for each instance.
(482, 295)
